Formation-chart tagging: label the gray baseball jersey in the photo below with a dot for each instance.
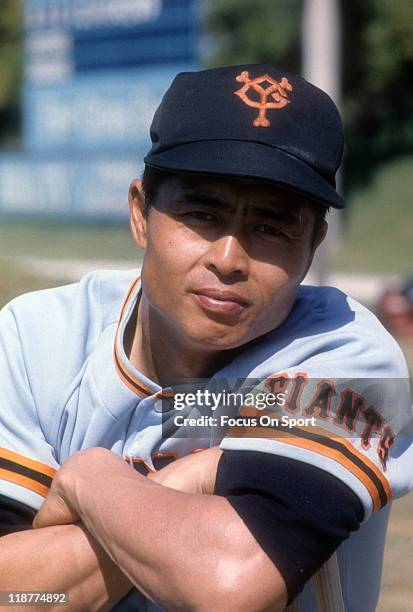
(67, 384)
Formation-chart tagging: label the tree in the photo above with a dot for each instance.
(248, 31)
(10, 66)
(378, 89)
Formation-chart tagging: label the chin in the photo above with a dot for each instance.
(216, 339)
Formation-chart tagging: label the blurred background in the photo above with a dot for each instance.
(79, 82)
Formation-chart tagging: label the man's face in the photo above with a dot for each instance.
(223, 257)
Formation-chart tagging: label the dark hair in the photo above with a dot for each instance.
(153, 178)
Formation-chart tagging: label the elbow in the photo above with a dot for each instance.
(235, 589)
(255, 592)
(240, 598)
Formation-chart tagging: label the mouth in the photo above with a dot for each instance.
(219, 301)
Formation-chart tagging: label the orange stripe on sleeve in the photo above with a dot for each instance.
(26, 462)
(362, 456)
(24, 481)
(321, 449)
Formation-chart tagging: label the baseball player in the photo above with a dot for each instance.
(230, 212)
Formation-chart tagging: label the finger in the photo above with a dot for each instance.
(54, 511)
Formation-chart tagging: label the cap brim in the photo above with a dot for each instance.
(247, 159)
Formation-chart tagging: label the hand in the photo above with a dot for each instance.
(60, 506)
(195, 473)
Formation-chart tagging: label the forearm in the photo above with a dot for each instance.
(64, 558)
(183, 550)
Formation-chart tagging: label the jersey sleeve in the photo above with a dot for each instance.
(297, 513)
(14, 516)
(358, 428)
(27, 462)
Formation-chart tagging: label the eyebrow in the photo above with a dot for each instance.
(200, 197)
(270, 210)
(286, 216)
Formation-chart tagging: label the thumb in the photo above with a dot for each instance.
(54, 511)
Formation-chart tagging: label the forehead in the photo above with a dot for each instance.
(237, 191)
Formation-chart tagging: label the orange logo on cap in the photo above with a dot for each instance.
(277, 91)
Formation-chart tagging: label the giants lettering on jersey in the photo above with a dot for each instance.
(347, 409)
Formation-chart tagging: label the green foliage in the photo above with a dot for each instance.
(389, 41)
(378, 235)
(9, 74)
(255, 31)
(10, 64)
(378, 89)
(10, 51)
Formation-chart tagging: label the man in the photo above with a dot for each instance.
(230, 212)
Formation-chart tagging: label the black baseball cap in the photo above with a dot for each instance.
(254, 121)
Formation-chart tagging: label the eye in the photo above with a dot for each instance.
(199, 217)
(200, 214)
(271, 231)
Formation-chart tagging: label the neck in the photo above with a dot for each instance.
(158, 350)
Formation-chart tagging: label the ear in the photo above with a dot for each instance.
(317, 240)
(137, 219)
(322, 232)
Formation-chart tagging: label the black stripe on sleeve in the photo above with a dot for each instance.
(335, 444)
(17, 468)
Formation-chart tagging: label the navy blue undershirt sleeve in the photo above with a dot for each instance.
(14, 516)
(298, 513)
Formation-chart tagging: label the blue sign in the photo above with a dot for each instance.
(95, 71)
(109, 112)
(72, 36)
(65, 186)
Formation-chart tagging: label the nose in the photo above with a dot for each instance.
(228, 257)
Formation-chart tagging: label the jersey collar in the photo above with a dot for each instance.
(130, 376)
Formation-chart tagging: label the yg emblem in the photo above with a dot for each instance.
(276, 91)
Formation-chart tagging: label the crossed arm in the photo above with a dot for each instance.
(179, 546)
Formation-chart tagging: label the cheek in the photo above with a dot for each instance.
(277, 289)
(172, 248)
(282, 276)
(170, 254)
(277, 294)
